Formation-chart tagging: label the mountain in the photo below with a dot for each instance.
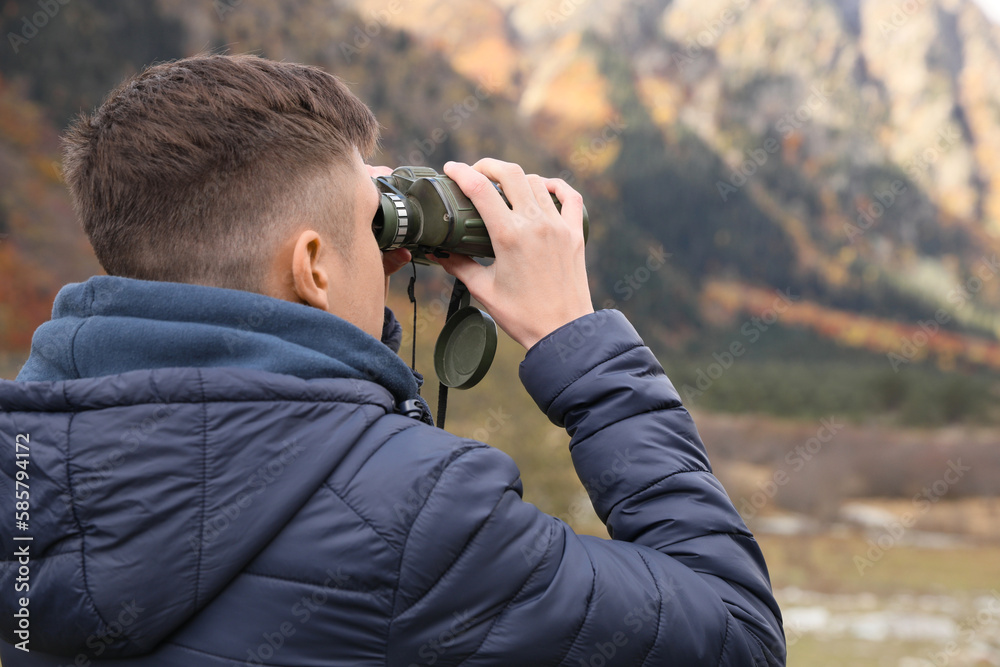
(844, 149)
(838, 151)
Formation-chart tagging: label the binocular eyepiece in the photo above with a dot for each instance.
(424, 211)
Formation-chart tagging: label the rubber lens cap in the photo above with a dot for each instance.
(465, 349)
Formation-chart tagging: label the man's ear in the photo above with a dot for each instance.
(309, 280)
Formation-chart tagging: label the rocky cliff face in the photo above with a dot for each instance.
(851, 142)
(870, 82)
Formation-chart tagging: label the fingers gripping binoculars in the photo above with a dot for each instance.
(426, 212)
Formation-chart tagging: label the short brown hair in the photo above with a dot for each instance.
(186, 171)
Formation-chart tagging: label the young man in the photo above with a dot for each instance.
(216, 467)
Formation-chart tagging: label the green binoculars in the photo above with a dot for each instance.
(427, 212)
(424, 211)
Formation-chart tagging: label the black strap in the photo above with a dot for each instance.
(458, 293)
(413, 299)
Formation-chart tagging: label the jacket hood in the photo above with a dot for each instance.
(110, 325)
(196, 438)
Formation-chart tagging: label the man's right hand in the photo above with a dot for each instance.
(538, 282)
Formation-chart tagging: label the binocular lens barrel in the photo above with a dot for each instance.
(425, 211)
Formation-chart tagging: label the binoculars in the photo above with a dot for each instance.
(424, 211)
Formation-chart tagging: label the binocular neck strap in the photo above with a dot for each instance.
(458, 293)
(410, 292)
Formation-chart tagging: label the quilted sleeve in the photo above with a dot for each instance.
(488, 579)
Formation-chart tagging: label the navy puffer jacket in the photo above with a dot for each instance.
(220, 478)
